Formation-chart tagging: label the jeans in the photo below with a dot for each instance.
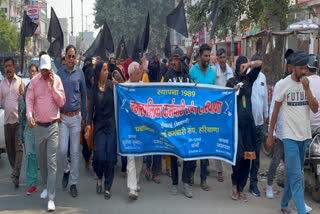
(278, 154)
(154, 163)
(186, 171)
(70, 128)
(294, 154)
(256, 163)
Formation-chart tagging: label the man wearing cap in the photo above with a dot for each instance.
(315, 83)
(278, 154)
(75, 88)
(45, 96)
(295, 96)
(11, 89)
(180, 74)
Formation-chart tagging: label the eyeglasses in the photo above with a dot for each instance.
(71, 56)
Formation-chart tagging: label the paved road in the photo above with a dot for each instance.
(154, 198)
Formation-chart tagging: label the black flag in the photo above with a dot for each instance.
(177, 19)
(167, 46)
(107, 38)
(93, 49)
(214, 17)
(124, 53)
(145, 35)
(136, 50)
(105, 43)
(27, 30)
(55, 35)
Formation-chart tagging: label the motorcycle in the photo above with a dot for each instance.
(312, 165)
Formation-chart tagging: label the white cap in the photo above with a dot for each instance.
(45, 62)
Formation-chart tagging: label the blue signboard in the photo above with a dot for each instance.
(186, 120)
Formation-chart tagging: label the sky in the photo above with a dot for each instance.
(63, 10)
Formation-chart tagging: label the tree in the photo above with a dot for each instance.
(127, 18)
(9, 41)
(266, 14)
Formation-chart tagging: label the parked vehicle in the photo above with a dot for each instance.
(312, 165)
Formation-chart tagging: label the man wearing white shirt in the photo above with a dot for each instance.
(223, 70)
(223, 74)
(259, 99)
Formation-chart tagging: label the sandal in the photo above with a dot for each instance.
(220, 177)
(285, 211)
(234, 194)
(243, 197)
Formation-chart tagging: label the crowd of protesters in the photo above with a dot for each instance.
(56, 113)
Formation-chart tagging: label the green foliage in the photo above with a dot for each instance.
(9, 41)
(267, 14)
(127, 18)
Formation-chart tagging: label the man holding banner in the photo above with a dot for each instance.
(180, 73)
(203, 73)
(134, 165)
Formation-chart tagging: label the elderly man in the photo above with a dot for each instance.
(134, 165)
(44, 98)
(75, 88)
(11, 88)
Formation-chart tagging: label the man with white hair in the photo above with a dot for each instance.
(134, 165)
(45, 97)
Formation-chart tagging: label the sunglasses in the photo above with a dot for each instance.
(71, 56)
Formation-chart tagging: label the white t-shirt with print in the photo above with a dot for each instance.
(295, 110)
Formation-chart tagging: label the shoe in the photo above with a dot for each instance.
(269, 192)
(133, 195)
(65, 180)
(187, 191)
(73, 191)
(87, 165)
(31, 190)
(156, 179)
(308, 209)
(107, 195)
(243, 197)
(280, 184)
(255, 191)
(148, 175)
(234, 193)
(174, 189)
(138, 188)
(99, 186)
(204, 186)
(51, 206)
(15, 182)
(44, 194)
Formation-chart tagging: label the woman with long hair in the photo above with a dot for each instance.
(101, 113)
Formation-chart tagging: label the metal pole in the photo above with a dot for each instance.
(82, 16)
(72, 17)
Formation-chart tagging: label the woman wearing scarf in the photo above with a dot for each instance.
(101, 112)
(27, 137)
(243, 82)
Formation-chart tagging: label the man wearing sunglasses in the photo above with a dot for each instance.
(71, 120)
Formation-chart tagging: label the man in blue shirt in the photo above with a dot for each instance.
(71, 120)
(203, 73)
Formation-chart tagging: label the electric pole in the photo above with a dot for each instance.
(72, 17)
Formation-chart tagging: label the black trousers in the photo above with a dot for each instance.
(186, 171)
(104, 169)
